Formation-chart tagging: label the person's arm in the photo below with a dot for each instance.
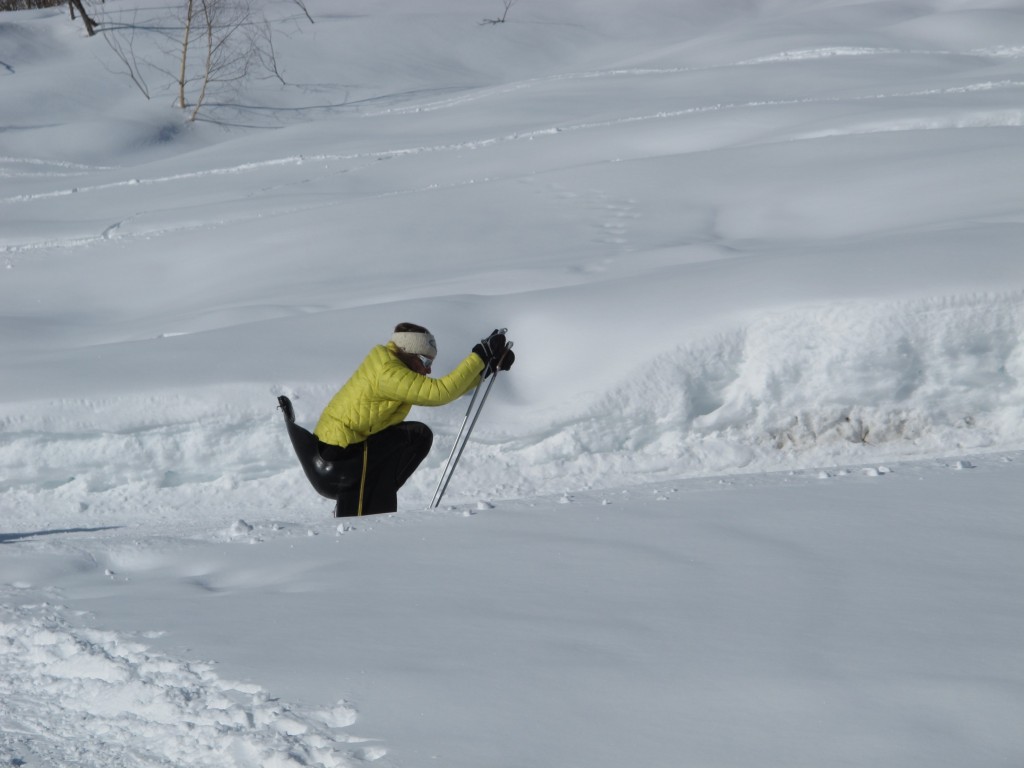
(398, 382)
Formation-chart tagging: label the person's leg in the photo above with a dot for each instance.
(347, 504)
(394, 454)
(348, 463)
(419, 439)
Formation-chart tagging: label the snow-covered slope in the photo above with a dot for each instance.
(731, 241)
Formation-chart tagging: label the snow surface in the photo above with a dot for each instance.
(751, 495)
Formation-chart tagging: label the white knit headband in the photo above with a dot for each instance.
(416, 343)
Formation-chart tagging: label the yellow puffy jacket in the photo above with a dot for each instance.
(383, 390)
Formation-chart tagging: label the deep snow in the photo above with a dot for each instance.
(751, 494)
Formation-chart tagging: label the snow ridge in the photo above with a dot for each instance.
(805, 387)
(801, 388)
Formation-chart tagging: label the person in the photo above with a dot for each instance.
(363, 430)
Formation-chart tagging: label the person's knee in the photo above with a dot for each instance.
(421, 434)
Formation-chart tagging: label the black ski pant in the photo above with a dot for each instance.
(391, 456)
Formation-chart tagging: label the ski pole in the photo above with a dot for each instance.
(436, 499)
(439, 491)
(457, 448)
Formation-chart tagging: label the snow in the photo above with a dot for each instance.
(750, 496)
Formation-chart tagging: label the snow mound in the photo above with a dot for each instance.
(809, 386)
(80, 697)
(802, 387)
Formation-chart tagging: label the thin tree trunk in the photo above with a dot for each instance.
(184, 54)
(209, 62)
(90, 25)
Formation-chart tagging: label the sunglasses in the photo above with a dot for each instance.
(425, 361)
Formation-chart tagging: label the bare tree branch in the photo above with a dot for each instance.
(508, 4)
(302, 5)
(230, 47)
(125, 51)
(207, 52)
(264, 48)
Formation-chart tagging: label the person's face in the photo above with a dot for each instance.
(421, 363)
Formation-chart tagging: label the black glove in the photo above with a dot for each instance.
(490, 350)
(507, 360)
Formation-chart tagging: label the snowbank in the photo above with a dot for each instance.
(811, 386)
